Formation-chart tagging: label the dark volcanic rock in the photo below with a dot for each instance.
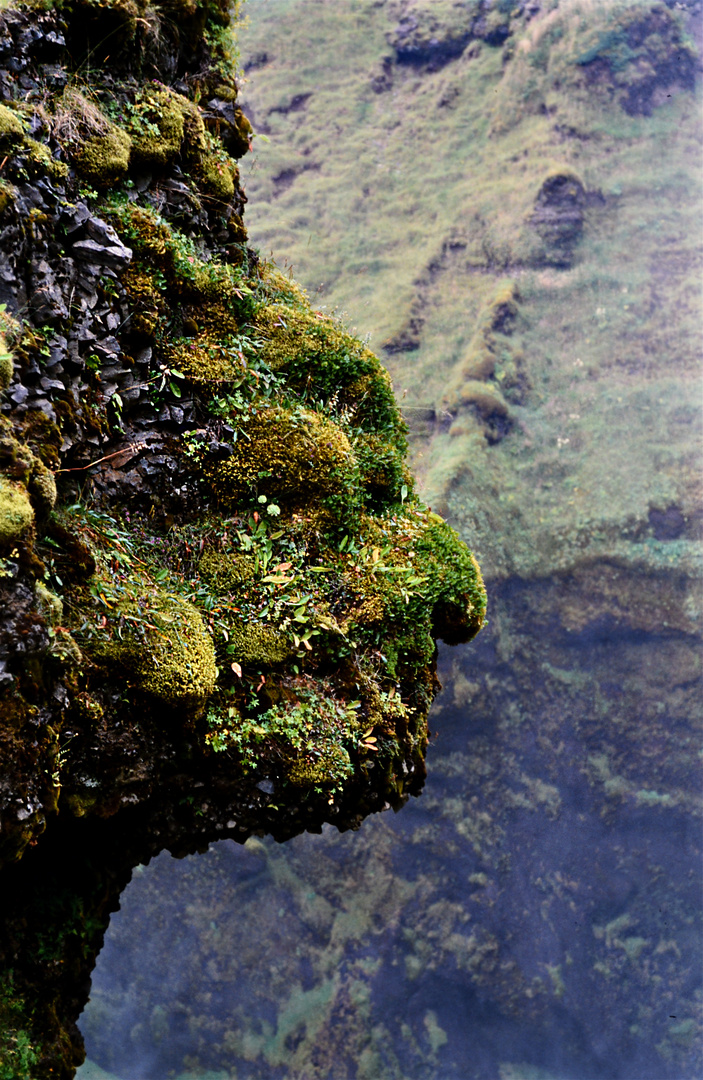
(559, 216)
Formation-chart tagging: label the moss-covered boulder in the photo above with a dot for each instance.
(98, 149)
(294, 455)
(173, 660)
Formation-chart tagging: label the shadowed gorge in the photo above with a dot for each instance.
(220, 593)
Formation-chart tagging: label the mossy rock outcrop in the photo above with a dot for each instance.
(215, 572)
(292, 455)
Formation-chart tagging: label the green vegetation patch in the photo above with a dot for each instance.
(18, 1051)
(174, 660)
(16, 514)
(293, 454)
(99, 149)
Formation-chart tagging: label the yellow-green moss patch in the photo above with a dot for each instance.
(454, 585)
(16, 513)
(225, 572)
(11, 129)
(162, 124)
(292, 454)
(6, 365)
(174, 662)
(255, 645)
(104, 159)
(42, 489)
(293, 336)
(217, 176)
(203, 358)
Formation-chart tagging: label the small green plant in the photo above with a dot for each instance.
(142, 116)
(18, 1055)
(311, 737)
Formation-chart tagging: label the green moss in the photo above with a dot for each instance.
(16, 514)
(7, 195)
(225, 572)
(15, 456)
(49, 605)
(408, 647)
(18, 461)
(157, 127)
(383, 470)
(217, 176)
(298, 337)
(297, 455)
(257, 645)
(42, 489)
(454, 586)
(195, 138)
(158, 245)
(11, 128)
(329, 767)
(370, 402)
(98, 149)
(313, 350)
(309, 737)
(6, 365)
(203, 359)
(63, 648)
(281, 288)
(314, 734)
(104, 159)
(244, 131)
(6, 370)
(40, 161)
(175, 661)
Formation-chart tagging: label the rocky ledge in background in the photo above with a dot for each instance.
(219, 593)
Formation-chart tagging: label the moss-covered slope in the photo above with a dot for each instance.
(515, 217)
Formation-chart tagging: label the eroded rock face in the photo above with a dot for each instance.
(221, 594)
(641, 57)
(558, 216)
(434, 32)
